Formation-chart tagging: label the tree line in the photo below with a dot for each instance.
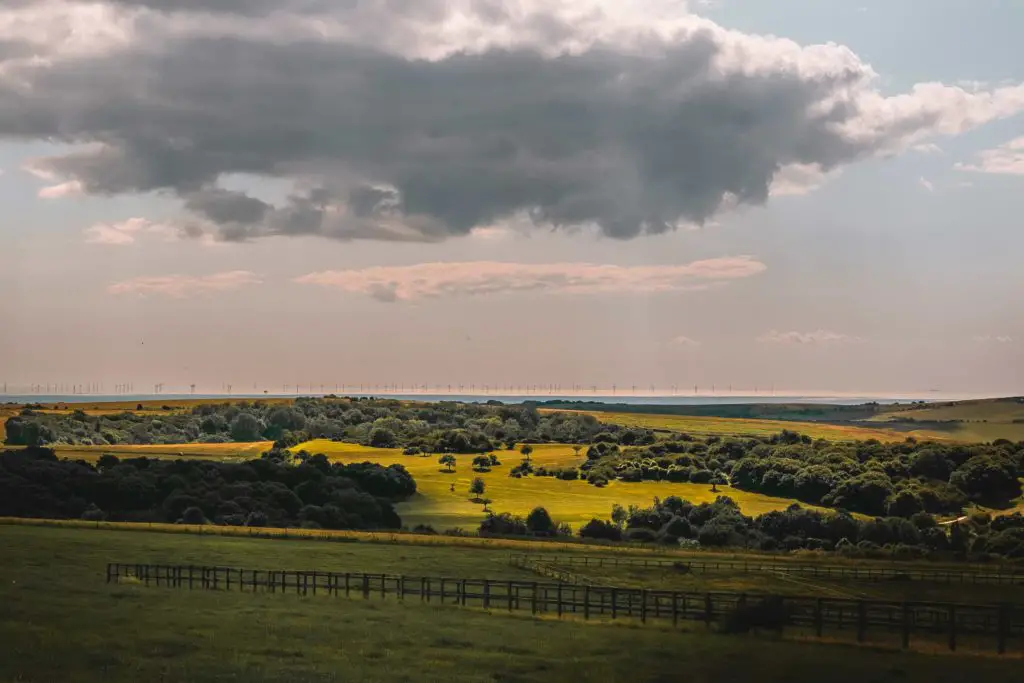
(311, 494)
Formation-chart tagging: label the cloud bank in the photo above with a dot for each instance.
(402, 120)
(179, 286)
(432, 280)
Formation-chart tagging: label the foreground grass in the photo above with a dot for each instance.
(575, 502)
(60, 621)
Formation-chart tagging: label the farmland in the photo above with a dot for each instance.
(574, 502)
(62, 622)
(727, 426)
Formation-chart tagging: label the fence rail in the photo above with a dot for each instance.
(715, 566)
(980, 626)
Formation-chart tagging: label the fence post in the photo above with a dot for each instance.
(509, 596)
(347, 586)
(559, 597)
(586, 602)
(862, 620)
(675, 609)
(1003, 628)
(401, 587)
(643, 606)
(382, 587)
(905, 623)
(952, 627)
(487, 593)
(109, 568)
(533, 599)
(315, 573)
(819, 625)
(709, 610)
(463, 592)
(191, 578)
(615, 598)
(366, 586)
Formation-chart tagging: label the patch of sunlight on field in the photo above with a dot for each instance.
(730, 426)
(226, 451)
(575, 502)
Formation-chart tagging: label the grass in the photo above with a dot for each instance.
(974, 421)
(575, 502)
(727, 426)
(60, 621)
(220, 451)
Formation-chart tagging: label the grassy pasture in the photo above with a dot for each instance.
(727, 426)
(974, 421)
(575, 502)
(60, 621)
(219, 451)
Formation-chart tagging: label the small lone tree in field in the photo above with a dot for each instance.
(448, 460)
(482, 463)
(477, 487)
(576, 450)
(486, 502)
(526, 450)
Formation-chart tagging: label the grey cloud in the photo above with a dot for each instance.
(634, 141)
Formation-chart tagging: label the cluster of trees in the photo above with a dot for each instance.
(538, 524)
(675, 521)
(896, 480)
(265, 492)
(417, 428)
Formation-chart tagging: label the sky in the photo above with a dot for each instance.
(815, 195)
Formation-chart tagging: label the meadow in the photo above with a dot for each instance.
(61, 621)
(728, 426)
(974, 421)
(574, 502)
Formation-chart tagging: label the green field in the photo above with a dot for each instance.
(728, 426)
(61, 621)
(575, 502)
(976, 421)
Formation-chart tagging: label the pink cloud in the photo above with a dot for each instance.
(72, 188)
(185, 285)
(125, 232)
(428, 280)
(816, 337)
(1005, 160)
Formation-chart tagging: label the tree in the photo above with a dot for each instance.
(482, 463)
(619, 515)
(526, 450)
(193, 515)
(382, 438)
(477, 487)
(246, 427)
(448, 460)
(576, 450)
(540, 522)
(486, 502)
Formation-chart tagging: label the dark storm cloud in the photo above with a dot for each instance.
(632, 140)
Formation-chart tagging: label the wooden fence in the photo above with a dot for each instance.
(998, 627)
(820, 571)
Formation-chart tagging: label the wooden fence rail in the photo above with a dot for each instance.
(1000, 627)
(713, 566)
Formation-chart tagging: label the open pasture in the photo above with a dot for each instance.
(61, 621)
(575, 502)
(727, 426)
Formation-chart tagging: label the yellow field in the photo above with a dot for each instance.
(221, 451)
(575, 502)
(729, 426)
